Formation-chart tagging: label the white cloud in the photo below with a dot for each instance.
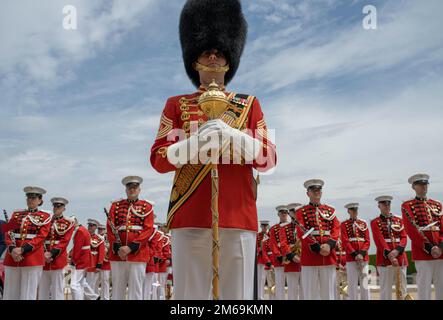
(402, 36)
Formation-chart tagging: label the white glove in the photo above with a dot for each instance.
(194, 149)
(244, 146)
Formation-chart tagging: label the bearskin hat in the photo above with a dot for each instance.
(212, 24)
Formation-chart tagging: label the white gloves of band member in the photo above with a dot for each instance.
(208, 137)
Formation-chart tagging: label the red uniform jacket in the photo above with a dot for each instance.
(134, 221)
(237, 189)
(260, 253)
(97, 252)
(423, 213)
(81, 252)
(288, 239)
(275, 241)
(154, 248)
(326, 230)
(382, 238)
(30, 236)
(267, 252)
(165, 254)
(355, 239)
(57, 242)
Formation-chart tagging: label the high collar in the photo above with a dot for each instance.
(420, 198)
(132, 201)
(33, 210)
(58, 217)
(389, 216)
(315, 204)
(353, 219)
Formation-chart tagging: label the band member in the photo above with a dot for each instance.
(24, 258)
(56, 257)
(340, 268)
(129, 227)
(81, 260)
(356, 242)
(97, 258)
(154, 248)
(319, 229)
(275, 237)
(269, 268)
(291, 251)
(105, 270)
(390, 239)
(212, 35)
(262, 259)
(164, 262)
(423, 218)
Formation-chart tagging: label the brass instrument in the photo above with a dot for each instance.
(343, 283)
(270, 279)
(295, 249)
(400, 295)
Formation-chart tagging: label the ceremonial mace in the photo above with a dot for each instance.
(213, 103)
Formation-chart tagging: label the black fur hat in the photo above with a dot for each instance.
(212, 24)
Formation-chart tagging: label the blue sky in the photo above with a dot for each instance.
(361, 109)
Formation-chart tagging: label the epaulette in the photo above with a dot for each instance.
(284, 224)
(152, 203)
(72, 220)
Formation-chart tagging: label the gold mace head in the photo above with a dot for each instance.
(213, 102)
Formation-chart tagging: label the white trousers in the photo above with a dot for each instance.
(429, 272)
(192, 266)
(127, 274)
(104, 283)
(162, 277)
(155, 286)
(147, 285)
(355, 278)
(294, 288)
(261, 278)
(92, 279)
(318, 282)
(388, 277)
(80, 289)
(51, 285)
(21, 282)
(280, 279)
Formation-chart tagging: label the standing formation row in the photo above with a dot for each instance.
(308, 251)
(129, 249)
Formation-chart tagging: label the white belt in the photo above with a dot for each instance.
(28, 236)
(123, 228)
(269, 252)
(357, 239)
(390, 240)
(317, 233)
(52, 242)
(86, 247)
(94, 252)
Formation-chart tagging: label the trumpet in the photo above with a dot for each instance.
(400, 295)
(295, 250)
